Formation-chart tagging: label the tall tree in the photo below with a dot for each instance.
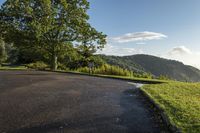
(49, 25)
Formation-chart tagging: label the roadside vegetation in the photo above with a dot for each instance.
(180, 101)
(106, 69)
(13, 68)
(159, 67)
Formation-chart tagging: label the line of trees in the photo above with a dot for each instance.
(107, 69)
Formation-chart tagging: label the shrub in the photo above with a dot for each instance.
(106, 70)
(39, 65)
(83, 69)
(62, 67)
(163, 77)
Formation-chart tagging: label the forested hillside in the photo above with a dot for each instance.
(155, 65)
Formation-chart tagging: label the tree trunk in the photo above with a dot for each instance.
(54, 63)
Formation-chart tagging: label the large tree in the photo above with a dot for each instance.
(49, 24)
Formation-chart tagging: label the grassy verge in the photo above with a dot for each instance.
(180, 102)
(141, 80)
(134, 79)
(13, 68)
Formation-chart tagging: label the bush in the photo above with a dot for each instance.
(39, 65)
(163, 77)
(83, 69)
(107, 70)
(62, 67)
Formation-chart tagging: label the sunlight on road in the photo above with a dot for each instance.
(137, 85)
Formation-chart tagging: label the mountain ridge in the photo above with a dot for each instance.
(155, 65)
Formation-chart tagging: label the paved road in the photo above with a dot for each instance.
(45, 102)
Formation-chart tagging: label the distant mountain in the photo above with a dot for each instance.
(155, 65)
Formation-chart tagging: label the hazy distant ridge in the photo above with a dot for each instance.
(155, 65)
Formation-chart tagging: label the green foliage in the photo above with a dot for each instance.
(49, 25)
(163, 77)
(28, 55)
(143, 75)
(12, 54)
(123, 62)
(97, 61)
(39, 65)
(3, 54)
(4, 67)
(156, 66)
(73, 59)
(106, 70)
(180, 101)
(86, 53)
(62, 67)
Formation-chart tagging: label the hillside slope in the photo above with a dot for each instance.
(155, 65)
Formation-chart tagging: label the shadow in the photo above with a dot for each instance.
(134, 116)
(138, 116)
(96, 125)
(32, 74)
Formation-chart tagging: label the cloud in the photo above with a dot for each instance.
(185, 55)
(180, 50)
(179, 53)
(140, 43)
(138, 36)
(118, 51)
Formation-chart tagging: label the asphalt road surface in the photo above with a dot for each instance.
(47, 102)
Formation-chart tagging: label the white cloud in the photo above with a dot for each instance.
(138, 36)
(180, 50)
(118, 51)
(140, 43)
(185, 55)
(179, 53)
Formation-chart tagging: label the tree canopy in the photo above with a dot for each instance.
(50, 25)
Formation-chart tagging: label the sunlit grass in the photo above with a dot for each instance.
(123, 77)
(12, 68)
(99, 75)
(180, 101)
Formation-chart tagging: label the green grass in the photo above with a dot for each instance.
(12, 68)
(98, 75)
(122, 77)
(180, 102)
(133, 78)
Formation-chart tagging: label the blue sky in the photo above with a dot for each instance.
(165, 28)
(178, 20)
(1, 1)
